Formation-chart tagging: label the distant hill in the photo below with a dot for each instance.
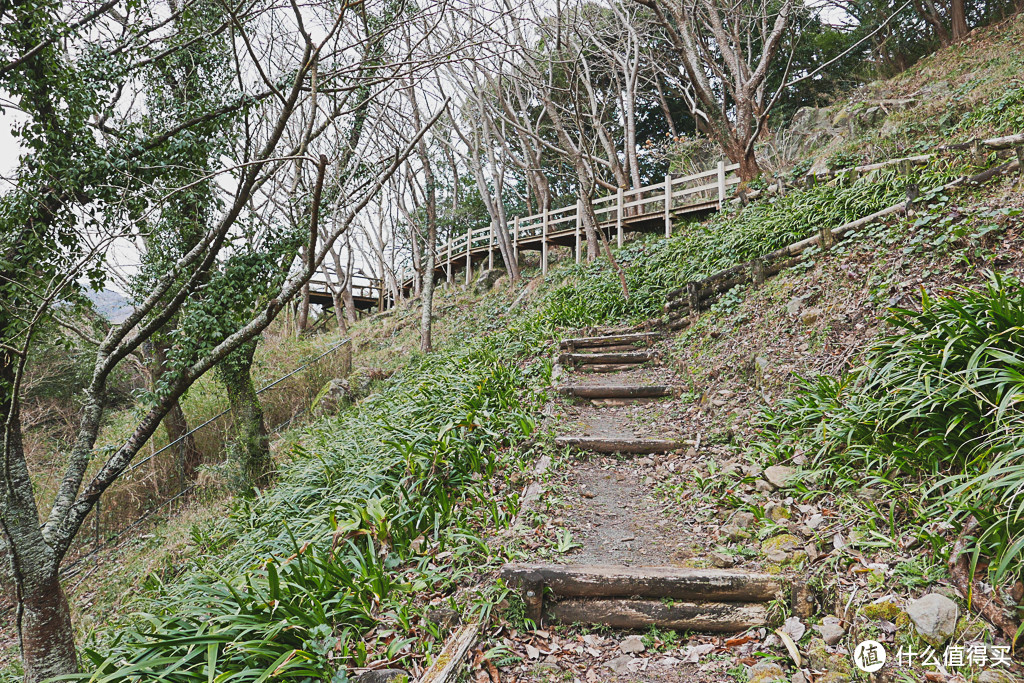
(112, 305)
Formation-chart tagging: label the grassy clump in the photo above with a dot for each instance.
(592, 295)
(936, 408)
(378, 510)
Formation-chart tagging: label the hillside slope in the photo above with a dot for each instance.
(391, 518)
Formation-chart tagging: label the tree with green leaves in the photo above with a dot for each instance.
(100, 167)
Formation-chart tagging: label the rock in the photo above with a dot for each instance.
(837, 665)
(721, 560)
(487, 279)
(934, 616)
(994, 676)
(830, 630)
(778, 513)
(799, 677)
(814, 521)
(793, 307)
(734, 533)
(334, 395)
(620, 665)
(765, 672)
(631, 645)
(445, 617)
(743, 520)
(784, 549)
(383, 676)
(887, 610)
(779, 475)
(810, 316)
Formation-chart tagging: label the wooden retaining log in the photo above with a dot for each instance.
(614, 581)
(596, 444)
(448, 664)
(646, 338)
(608, 367)
(616, 348)
(616, 390)
(711, 617)
(605, 358)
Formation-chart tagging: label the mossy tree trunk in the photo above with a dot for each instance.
(251, 445)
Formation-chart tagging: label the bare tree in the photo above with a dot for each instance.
(725, 50)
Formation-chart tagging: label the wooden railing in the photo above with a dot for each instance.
(706, 190)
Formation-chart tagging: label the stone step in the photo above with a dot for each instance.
(710, 600)
(600, 444)
(645, 338)
(632, 357)
(632, 391)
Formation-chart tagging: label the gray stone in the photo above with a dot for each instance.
(734, 533)
(793, 307)
(779, 475)
(994, 676)
(934, 616)
(764, 672)
(631, 645)
(831, 632)
(721, 560)
(620, 665)
(487, 279)
(743, 520)
(383, 676)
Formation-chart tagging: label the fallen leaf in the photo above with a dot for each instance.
(532, 652)
(790, 644)
(736, 642)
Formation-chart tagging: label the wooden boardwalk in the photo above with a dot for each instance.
(651, 208)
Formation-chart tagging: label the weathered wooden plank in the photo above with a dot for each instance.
(604, 358)
(613, 581)
(714, 617)
(646, 338)
(598, 444)
(448, 664)
(616, 390)
(608, 367)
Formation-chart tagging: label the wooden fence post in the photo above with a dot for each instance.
(721, 184)
(668, 205)
(469, 256)
(618, 217)
(544, 245)
(490, 248)
(451, 270)
(579, 226)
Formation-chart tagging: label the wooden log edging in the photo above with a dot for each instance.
(449, 661)
(645, 338)
(596, 444)
(614, 581)
(708, 617)
(628, 357)
(616, 390)
(704, 292)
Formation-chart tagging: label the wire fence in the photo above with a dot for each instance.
(156, 483)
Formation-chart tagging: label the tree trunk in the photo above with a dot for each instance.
(43, 620)
(428, 298)
(749, 168)
(251, 447)
(44, 628)
(959, 14)
(351, 313)
(338, 312)
(175, 423)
